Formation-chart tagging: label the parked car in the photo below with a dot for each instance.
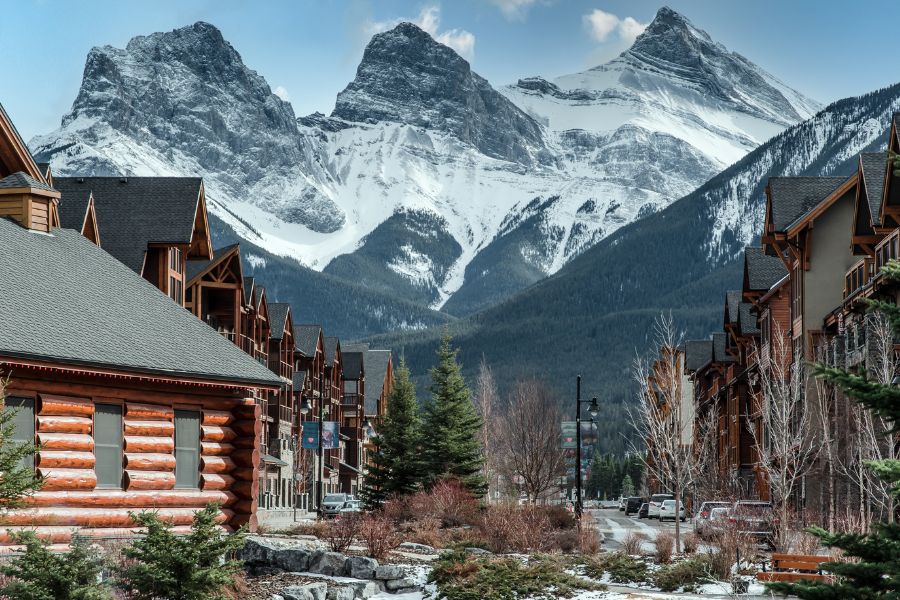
(352, 506)
(642, 511)
(667, 511)
(716, 522)
(333, 503)
(609, 503)
(633, 504)
(622, 502)
(752, 518)
(701, 518)
(656, 501)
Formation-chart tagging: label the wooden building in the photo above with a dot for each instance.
(353, 431)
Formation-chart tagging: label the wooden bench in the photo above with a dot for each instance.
(795, 567)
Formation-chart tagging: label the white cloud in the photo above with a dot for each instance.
(282, 93)
(602, 25)
(514, 10)
(429, 19)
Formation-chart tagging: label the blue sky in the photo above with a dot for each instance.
(309, 49)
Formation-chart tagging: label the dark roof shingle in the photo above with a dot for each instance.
(24, 180)
(331, 346)
(747, 322)
(873, 166)
(352, 363)
(306, 339)
(278, 313)
(793, 197)
(762, 271)
(697, 353)
(73, 209)
(376, 370)
(732, 301)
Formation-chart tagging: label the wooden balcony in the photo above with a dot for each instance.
(858, 278)
(283, 369)
(887, 250)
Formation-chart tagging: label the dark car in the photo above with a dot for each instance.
(643, 510)
(752, 518)
(633, 504)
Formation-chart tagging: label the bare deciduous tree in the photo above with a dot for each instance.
(790, 440)
(529, 436)
(487, 402)
(664, 414)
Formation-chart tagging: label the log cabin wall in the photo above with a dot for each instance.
(71, 500)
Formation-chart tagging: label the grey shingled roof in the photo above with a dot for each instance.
(747, 321)
(278, 313)
(73, 208)
(23, 180)
(352, 364)
(248, 290)
(794, 197)
(67, 301)
(697, 353)
(720, 343)
(376, 370)
(306, 339)
(299, 379)
(873, 165)
(762, 271)
(195, 267)
(732, 301)
(135, 211)
(331, 346)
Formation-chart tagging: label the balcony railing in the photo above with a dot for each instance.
(350, 400)
(283, 414)
(887, 249)
(858, 277)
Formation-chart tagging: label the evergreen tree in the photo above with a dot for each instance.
(450, 447)
(876, 571)
(17, 479)
(39, 574)
(396, 467)
(627, 486)
(196, 566)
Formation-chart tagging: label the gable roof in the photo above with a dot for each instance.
(332, 347)
(195, 268)
(793, 197)
(306, 339)
(697, 353)
(352, 363)
(747, 322)
(94, 311)
(73, 208)
(136, 211)
(299, 379)
(376, 370)
(761, 271)
(873, 166)
(732, 301)
(720, 343)
(278, 314)
(14, 153)
(248, 290)
(24, 180)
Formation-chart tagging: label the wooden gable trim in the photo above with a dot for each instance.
(221, 263)
(824, 205)
(200, 247)
(14, 154)
(89, 228)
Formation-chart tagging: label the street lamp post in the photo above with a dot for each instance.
(320, 467)
(594, 410)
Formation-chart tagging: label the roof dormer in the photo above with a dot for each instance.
(32, 203)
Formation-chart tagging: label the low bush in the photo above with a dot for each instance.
(567, 541)
(462, 577)
(379, 535)
(622, 568)
(339, 533)
(511, 528)
(690, 543)
(631, 543)
(665, 545)
(448, 500)
(558, 517)
(426, 531)
(686, 575)
(589, 539)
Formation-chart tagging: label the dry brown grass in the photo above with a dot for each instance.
(631, 543)
(665, 547)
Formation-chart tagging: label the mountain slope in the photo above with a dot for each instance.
(425, 183)
(596, 312)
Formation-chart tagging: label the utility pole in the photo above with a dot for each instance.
(320, 474)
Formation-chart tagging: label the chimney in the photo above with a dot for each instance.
(32, 203)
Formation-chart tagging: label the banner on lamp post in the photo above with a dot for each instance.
(567, 435)
(310, 435)
(330, 430)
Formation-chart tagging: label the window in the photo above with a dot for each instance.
(187, 449)
(23, 424)
(176, 289)
(175, 260)
(108, 445)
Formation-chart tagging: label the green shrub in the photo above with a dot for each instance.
(687, 575)
(43, 575)
(463, 577)
(622, 568)
(195, 566)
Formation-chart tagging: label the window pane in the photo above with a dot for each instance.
(108, 445)
(23, 423)
(187, 449)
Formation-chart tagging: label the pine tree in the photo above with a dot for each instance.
(396, 467)
(450, 446)
(17, 480)
(876, 571)
(627, 486)
(39, 574)
(196, 566)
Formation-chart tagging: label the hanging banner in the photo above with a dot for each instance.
(567, 434)
(330, 431)
(310, 435)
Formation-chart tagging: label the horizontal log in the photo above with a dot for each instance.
(15, 549)
(244, 427)
(241, 519)
(216, 433)
(146, 461)
(243, 474)
(63, 534)
(148, 412)
(245, 506)
(134, 499)
(216, 448)
(245, 489)
(134, 443)
(217, 417)
(54, 424)
(65, 459)
(67, 479)
(80, 442)
(107, 517)
(149, 428)
(216, 464)
(66, 406)
(246, 457)
(213, 481)
(149, 480)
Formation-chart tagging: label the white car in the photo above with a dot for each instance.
(352, 506)
(667, 511)
(622, 502)
(656, 501)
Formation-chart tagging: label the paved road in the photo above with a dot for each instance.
(614, 526)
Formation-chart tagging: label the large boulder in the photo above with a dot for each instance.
(384, 572)
(367, 589)
(327, 563)
(292, 559)
(417, 548)
(308, 591)
(360, 567)
(258, 551)
(394, 585)
(340, 593)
